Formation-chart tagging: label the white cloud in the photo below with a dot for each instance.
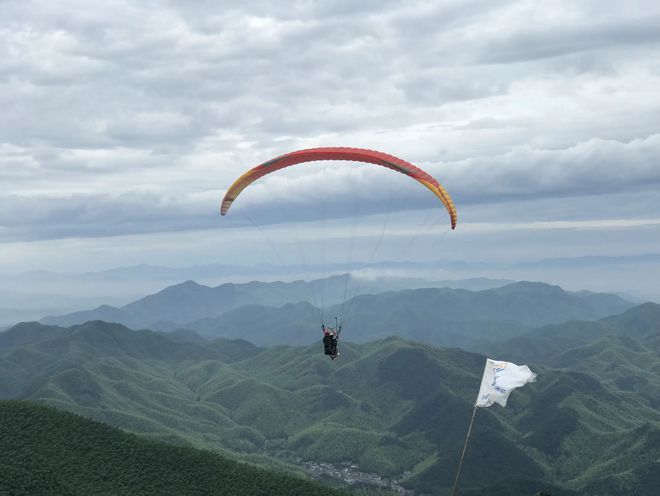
(121, 118)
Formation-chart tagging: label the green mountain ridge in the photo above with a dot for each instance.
(623, 350)
(391, 406)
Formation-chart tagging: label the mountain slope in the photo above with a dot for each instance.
(389, 407)
(438, 316)
(47, 452)
(188, 301)
(458, 313)
(622, 351)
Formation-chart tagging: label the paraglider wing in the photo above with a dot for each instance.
(339, 153)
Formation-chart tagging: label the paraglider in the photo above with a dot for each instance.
(331, 334)
(340, 153)
(331, 339)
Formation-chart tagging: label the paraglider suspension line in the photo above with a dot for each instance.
(285, 266)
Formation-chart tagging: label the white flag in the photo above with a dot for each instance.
(500, 378)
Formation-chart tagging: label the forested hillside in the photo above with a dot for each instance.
(50, 453)
(391, 407)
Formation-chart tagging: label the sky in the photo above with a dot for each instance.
(124, 122)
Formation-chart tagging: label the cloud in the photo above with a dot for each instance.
(94, 215)
(592, 167)
(598, 169)
(120, 118)
(552, 39)
(595, 167)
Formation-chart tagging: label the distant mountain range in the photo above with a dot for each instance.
(589, 426)
(265, 271)
(31, 295)
(282, 313)
(326, 291)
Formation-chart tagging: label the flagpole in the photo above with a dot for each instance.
(460, 463)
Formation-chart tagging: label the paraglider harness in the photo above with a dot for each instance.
(331, 339)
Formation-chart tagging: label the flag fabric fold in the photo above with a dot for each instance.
(499, 379)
